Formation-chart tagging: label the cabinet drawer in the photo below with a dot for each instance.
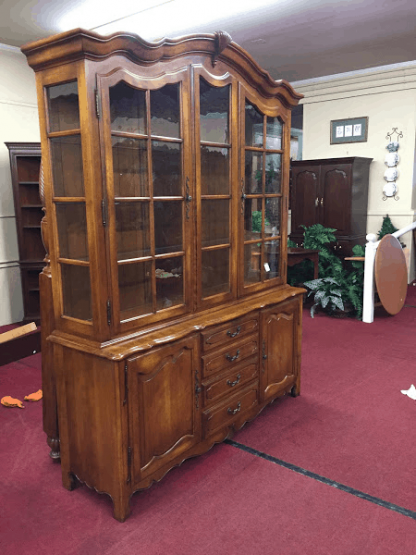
(229, 382)
(230, 410)
(221, 335)
(229, 356)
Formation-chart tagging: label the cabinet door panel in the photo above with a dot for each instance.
(279, 327)
(163, 405)
(305, 197)
(336, 194)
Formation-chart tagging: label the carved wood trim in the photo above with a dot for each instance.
(80, 44)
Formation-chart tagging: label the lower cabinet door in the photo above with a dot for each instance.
(279, 348)
(164, 401)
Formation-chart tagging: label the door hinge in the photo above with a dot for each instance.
(104, 212)
(126, 385)
(128, 465)
(109, 312)
(97, 104)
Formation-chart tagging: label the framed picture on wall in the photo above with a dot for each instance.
(352, 130)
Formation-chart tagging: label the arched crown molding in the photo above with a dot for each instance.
(80, 44)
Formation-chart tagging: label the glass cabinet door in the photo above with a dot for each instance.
(65, 149)
(261, 196)
(214, 176)
(148, 188)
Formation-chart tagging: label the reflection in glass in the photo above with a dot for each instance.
(127, 109)
(272, 259)
(215, 107)
(72, 230)
(254, 126)
(273, 173)
(215, 222)
(63, 107)
(253, 172)
(253, 214)
(167, 169)
(76, 291)
(273, 215)
(130, 167)
(252, 263)
(168, 226)
(68, 175)
(274, 133)
(169, 282)
(215, 177)
(165, 114)
(135, 289)
(132, 229)
(215, 272)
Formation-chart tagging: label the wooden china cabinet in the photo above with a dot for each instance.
(168, 317)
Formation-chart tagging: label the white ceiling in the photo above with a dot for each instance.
(292, 39)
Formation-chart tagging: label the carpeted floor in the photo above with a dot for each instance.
(328, 473)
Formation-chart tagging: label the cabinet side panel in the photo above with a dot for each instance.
(91, 443)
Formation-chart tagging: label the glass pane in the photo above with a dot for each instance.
(272, 259)
(63, 107)
(167, 169)
(168, 226)
(215, 272)
(252, 262)
(215, 108)
(253, 172)
(215, 222)
(215, 176)
(169, 282)
(72, 230)
(132, 230)
(274, 133)
(68, 175)
(135, 287)
(254, 126)
(273, 215)
(253, 213)
(127, 109)
(130, 167)
(165, 113)
(76, 291)
(273, 173)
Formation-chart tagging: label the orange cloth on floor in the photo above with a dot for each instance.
(34, 396)
(10, 402)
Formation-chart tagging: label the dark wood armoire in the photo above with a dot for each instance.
(332, 192)
(167, 320)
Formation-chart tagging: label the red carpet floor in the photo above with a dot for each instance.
(351, 424)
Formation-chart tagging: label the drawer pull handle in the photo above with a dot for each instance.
(237, 331)
(234, 411)
(235, 382)
(235, 357)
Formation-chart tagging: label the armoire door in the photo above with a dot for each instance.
(145, 130)
(306, 197)
(164, 405)
(335, 203)
(278, 359)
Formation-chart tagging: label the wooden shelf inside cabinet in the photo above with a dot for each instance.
(25, 159)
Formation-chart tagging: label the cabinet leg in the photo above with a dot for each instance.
(121, 508)
(295, 391)
(54, 444)
(68, 480)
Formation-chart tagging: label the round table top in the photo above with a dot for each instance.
(391, 274)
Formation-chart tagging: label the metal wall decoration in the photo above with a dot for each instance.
(352, 130)
(391, 160)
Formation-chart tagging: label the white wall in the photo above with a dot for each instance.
(387, 96)
(18, 123)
